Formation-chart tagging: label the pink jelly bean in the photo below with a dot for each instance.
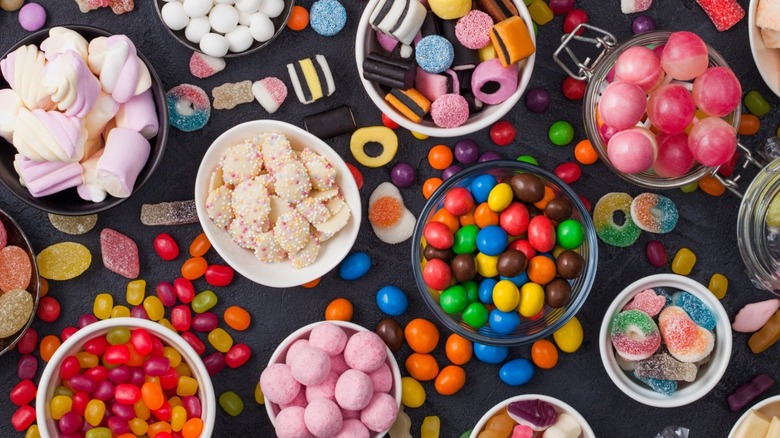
(71, 422)
(139, 312)
(118, 426)
(712, 141)
(622, 105)
(104, 391)
(670, 108)
(156, 366)
(633, 150)
(184, 290)
(684, 56)
(123, 411)
(165, 293)
(120, 374)
(82, 383)
(192, 406)
(674, 156)
(639, 66)
(205, 322)
(656, 253)
(136, 377)
(86, 320)
(27, 367)
(214, 362)
(219, 275)
(69, 367)
(27, 342)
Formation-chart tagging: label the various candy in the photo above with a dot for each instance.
(749, 391)
(391, 221)
(723, 13)
(634, 335)
(227, 96)
(120, 253)
(169, 213)
(683, 261)
(664, 367)
(654, 213)
(16, 308)
(203, 66)
(607, 229)
(63, 261)
(753, 316)
(767, 335)
(535, 413)
(311, 78)
(189, 107)
(327, 17)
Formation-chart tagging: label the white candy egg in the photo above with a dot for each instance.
(272, 8)
(391, 220)
(223, 18)
(197, 8)
(261, 27)
(248, 5)
(173, 16)
(244, 18)
(214, 44)
(240, 39)
(196, 29)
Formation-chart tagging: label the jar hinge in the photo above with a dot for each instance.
(604, 41)
(732, 182)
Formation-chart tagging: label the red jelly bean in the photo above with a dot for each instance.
(458, 201)
(165, 293)
(97, 346)
(438, 235)
(120, 374)
(214, 362)
(727, 169)
(181, 318)
(69, 367)
(194, 342)
(219, 275)
(23, 418)
(205, 322)
(123, 411)
(568, 172)
(27, 342)
(169, 379)
(166, 247)
(514, 219)
(96, 374)
(192, 406)
(156, 366)
(48, 309)
(82, 383)
(27, 367)
(656, 253)
(164, 413)
(574, 18)
(80, 400)
(157, 347)
(103, 391)
(23, 393)
(387, 121)
(356, 174)
(541, 234)
(67, 332)
(560, 7)
(117, 354)
(524, 247)
(437, 274)
(184, 290)
(119, 426)
(238, 355)
(86, 320)
(70, 423)
(142, 341)
(573, 89)
(502, 133)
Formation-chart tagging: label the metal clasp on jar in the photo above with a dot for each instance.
(604, 41)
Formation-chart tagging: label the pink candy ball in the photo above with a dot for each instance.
(323, 418)
(32, 17)
(671, 108)
(310, 366)
(685, 56)
(329, 338)
(353, 429)
(382, 379)
(278, 384)
(354, 390)
(712, 141)
(290, 423)
(640, 66)
(622, 105)
(380, 413)
(338, 364)
(717, 91)
(633, 150)
(299, 400)
(674, 157)
(295, 347)
(326, 389)
(365, 351)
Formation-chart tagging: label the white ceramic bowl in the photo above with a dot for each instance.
(769, 407)
(709, 374)
(767, 60)
(282, 274)
(366, 42)
(350, 328)
(560, 406)
(50, 379)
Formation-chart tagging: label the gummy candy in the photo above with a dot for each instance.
(120, 253)
(500, 424)
(400, 428)
(754, 315)
(648, 302)
(431, 427)
(15, 268)
(189, 107)
(203, 66)
(64, 261)
(536, 414)
(169, 213)
(73, 225)
(522, 431)
(749, 391)
(118, 7)
(16, 306)
(667, 387)
(610, 232)
(695, 308)
(685, 340)
(227, 96)
(634, 334)
(767, 336)
(566, 426)
(723, 13)
(664, 367)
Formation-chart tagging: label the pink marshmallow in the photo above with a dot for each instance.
(382, 378)
(299, 400)
(290, 423)
(139, 114)
(754, 315)
(278, 384)
(295, 347)
(353, 429)
(124, 157)
(326, 389)
(47, 177)
(323, 418)
(329, 338)
(354, 390)
(90, 190)
(380, 413)
(310, 366)
(338, 364)
(365, 351)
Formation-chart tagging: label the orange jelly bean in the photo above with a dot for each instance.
(339, 309)
(312, 283)
(237, 318)
(541, 269)
(194, 268)
(44, 287)
(484, 216)
(192, 428)
(447, 218)
(430, 185)
(160, 426)
(49, 344)
(450, 380)
(544, 354)
(200, 246)
(585, 153)
(459, 349)
(421, 335)
(711, 186)
(748, 124)
(422, 367)
(153, 396)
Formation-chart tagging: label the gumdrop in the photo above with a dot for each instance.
(634, 335)
(73, 225)
(695, 308)
(648, 302)
(203, 66)
(666, 387)
(120, 253)
(15, 268)
(169, 213)
(63, 261)
(664, 367)
(685, 340)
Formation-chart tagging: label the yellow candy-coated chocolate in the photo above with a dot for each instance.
(506, 296)
(500, 197)
(531, 299)
(487, 266)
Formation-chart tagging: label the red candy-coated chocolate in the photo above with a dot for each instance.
(27, 342)
(219, 275)
(574, 18)
(181, 318)
(502, 133)
(238, 355)
(387, 121)
(573, 89)
(514, 219)
(437, 274)
(166, 247)
(165, 293)
(48, 309)
(524, 247)
(184, 290)
(194, 342)
(541, 234)
(459, 201)
(142, 341)
(568, 172)
(23, 393)
(23, 418)
(438, 235)
(67, 332)
(69, 367)
(356, 174)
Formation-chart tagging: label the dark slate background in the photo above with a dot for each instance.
(707, 226)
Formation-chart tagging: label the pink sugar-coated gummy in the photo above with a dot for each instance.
(326, 389)
(299, 400)
(3, 236)
(120, 253)
(338, 364)
(365, 351)
(684, 56)
(633, 150)
(723, 13)
(633, 349)
(622, 105)
(310, 366)
(639, 66)
(329, 338)
(353, 429)
(354, 390)
(754, 315)
(290, 423)
(294, 348)
(380, 413)
(347, 414)
(382, 378)
(712, 141)
(278, 384)
(685, 340)
(323, 418)
(674, 156)
(203, 66)
(648, 302)
(717, 91)
(473, 29)
(670, 108)
(450, 111)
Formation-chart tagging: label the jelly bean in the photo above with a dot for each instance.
(516, 372)
(500, 197)
(152, 395)
(127, 394)
(430, 185)
(238, 355)
(531, 299)
(23, 393)
(192, 405)
(431, 427)
(22, 418)
(475, 315)
(540, 12)
(98, 373)
(80, 401)
(231, 403)
(70, 422)
(502, 133)
(440, 157)
(194, 268)
(167, 324)
(169, 379)
(33, 432)
(568, 172)
(506, 296)
(141, 410)
(421, 335)
(489, 353)
(748, 124)
(683, 261)
(194, 342)
(120, 374)
(154, 308)
(49, 344)
(164, 413)
(458, 349)
(192, 428)
(573, 89)
(569, 337)
(656, 253)
(219, 275)
(62, 390)
(166, 247)
(355, 266)
(450, 380)
(200, 245)
(205, 322)
(544, 354)
(528, 159)
(138, 426)
(184, 290)
(220, 340)
(98, 432)
(119, 312)
(311, 284)
(585, 153)
(27, 342)
(718, 285)
(159, 430)
(561, 133)
(118, 427)
(178, 418)
(756, 103)
(181, 318)
(156, 366)
(165, 293)
(541, 234)
(437, 274)
(690, 187)
(136, 290)
(186, 386)
(204, 301)
(259, 397)
(118, 335)
(87, 360)
(422, 367)
(48, 309)
(102, 306)
(412, 393)
(573, 19)
(711, 186)
(339, 309)
(237, 318)
(94, 412)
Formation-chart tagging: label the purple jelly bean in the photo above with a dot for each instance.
(749, 391)
(139, 312)
(466, 151)
(86, 320)
(449, 172)
(166, 293)
(125, 412)
(27, 367)
(537, 99)
(489, 156)
(71, 422)
(156, 366)
(82, 383)
(120, 374)
(118, 426)
(214, 362)
(656, 253)
(402, 175)
(104, 391)
(561, 7)
(137, 377)
(642, 24)
(192, 406)
(205, 322)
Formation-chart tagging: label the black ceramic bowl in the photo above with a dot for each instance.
(68, 201)
(16, 237)
(279, 22)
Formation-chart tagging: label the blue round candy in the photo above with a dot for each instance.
(392, 301)
(486, 290)
(434, 54)
(355, 266)
(481, 186)
(492, 240)
(489, 353)
(327, 17)
(519, 279)
(516, 372)
(504, 323)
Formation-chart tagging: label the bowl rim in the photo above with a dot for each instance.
(364, 32)
(167, 335)
(589, 271)
(348, 187)
(716, 367)
(757, 45)
(154, 159)
(587, 432)
(195, 47)
(297, 334)
(757, 406)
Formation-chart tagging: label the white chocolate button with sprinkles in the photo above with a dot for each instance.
(218, 206)
(291, 232)
(243, 232)
(321, 172)
(251, 201)
(241, 162)
(315, 212)
(292, 182)
(267, 250)
(307, 255)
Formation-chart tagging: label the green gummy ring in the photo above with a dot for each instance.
(606, 228)
(632, 320)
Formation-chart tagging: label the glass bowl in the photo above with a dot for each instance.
(528, 330)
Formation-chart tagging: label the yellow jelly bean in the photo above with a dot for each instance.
(220, 340)
(60, 405)
(141, 410)
(178, 418)
(33, 432)
(120, 312)
(94, 412)
(540, 12)
(187, 386)
(431, 426)
(175, 401)
(506, 296)
(173, 356)
(683, 261)
(418, 135)
(184, 370)
(87, 360)
(102, 306)
(259, 397)
(154, 308)
(167, 324)
(487, 266)
(412, 393)
(500, 197)
(136, 290)
(569, 337)
(98, 432)
(719, 284)
(531, 299)
(138, 426)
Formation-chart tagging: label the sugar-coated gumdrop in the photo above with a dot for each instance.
(16, 306)
(15, 268)
(695, 308)
(685, 340)
(203, 66)
(712, 141)
(647, 301)
(664, 367)
(73, 225)
(639, 66)
(63, 261)
(634, 335)
(666, 387)
(120, 253)
(685, 56)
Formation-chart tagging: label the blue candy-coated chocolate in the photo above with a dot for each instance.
(434, 54)
(481, 186)
(355, 266)
(518, 280)
(486, 290)
(327, 17)
(492, 240)
(695, 308)
(504, 323)
(516, 372)
(490, 354)
(392, 300)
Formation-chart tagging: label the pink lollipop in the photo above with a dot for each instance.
(717, 91)
(712, 141)
(640, 66)
(674, 157)
(633, 150)
(684, 56)
(622, 105)
(670, 108)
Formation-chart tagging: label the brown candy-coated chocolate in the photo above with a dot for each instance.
(527, 188)
(431, 253)
(463, 267)
(391, 333)
(511, 263)
(569, 264)
(557, 293)
(558, 210)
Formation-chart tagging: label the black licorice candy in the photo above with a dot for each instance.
(389, 71)
(330, 123)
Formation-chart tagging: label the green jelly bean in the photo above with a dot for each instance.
(561, 133)
(466, 434)
(570, 234)
(756, 103)
(62, 390)
(231, 403)
(472, 290)
(98, 432)
(465, 240)
(118, 335)
(690, 188)
(528, 159)
(536, 29)
(204, 301)
(476, 315)
(453, 300)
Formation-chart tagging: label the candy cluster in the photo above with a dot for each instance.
(526, 418)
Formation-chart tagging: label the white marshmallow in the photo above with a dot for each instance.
(196, 29)
(173, 15)
(248, 5)
(197, 8)
(243, 18)
(223, 18)
(214, 44)
(272, 8)
(225, 2)
(261, 27)
(239, 39)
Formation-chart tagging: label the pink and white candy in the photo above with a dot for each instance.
(121, 71)
(640, 66)
(633, 150)
(124, 157)
(71, 84)
(685, 56)
(622, 105)
(674, 156)
(717, 91)
(670, 108)
(712, 141)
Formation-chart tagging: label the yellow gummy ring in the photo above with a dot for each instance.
(380, 134)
